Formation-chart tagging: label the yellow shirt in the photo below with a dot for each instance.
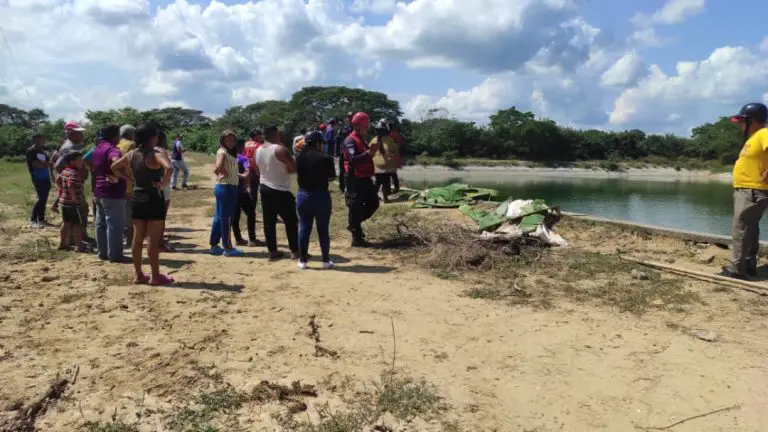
(752, 163)
(386, 159)
(125, 146)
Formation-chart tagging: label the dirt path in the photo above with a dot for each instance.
(573, 367)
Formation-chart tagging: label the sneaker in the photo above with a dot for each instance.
(34, 225)
(216, 250)
(241, 242)
(255, 243)
(328, 265)
(303, 265)
(234, 252)
(733, 275)
(276, 256)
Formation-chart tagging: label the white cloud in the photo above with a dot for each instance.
(624, 72)
(673, 12)
(729, 76)
(373, 6)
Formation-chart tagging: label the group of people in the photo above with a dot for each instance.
(263, 167)
(133, 171)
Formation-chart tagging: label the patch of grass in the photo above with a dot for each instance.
(403, 397)
(115, 424)
(18, 191)
(210, 412)
(195, 159)
(39, 248)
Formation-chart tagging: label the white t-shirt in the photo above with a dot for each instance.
(274, 173)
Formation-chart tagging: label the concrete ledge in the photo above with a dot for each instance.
(693, 236)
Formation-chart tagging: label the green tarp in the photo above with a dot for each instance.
(488, 221)
(451, 196)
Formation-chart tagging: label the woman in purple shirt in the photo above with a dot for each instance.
(244, 202)
(109, 195)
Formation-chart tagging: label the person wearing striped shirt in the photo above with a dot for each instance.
(70, 184)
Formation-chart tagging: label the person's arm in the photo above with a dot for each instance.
(220, 169)
(353, 156)
(246, 175)
(119, 166)
(283, 156)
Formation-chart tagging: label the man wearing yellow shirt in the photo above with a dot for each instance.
(126, 144)
(750, 195)
(387, 159)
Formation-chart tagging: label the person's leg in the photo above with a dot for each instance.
(236, 219)
(79, 234)
(342, 175)
(746, 217)
(287, 209)
(42, 188)
(102, 244)
(228, 209)
(269, 219)
(216, 234)
(139, 233)
(128, 222)
(254, 192)
(323, 206)
(114, 209)
(250, 215)
(396, 182)
(387, 186)
(760, 198)
(185, 167)
(304, 208)
(371, 199)
(155, 233)
(175, 174)
(66, 230)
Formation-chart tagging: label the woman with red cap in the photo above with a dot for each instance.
(361, 197)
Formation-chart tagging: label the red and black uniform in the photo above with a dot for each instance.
(361, 197)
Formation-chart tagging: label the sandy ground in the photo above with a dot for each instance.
(483, 174)
(573, 367)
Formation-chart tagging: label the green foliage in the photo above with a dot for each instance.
(510, 133)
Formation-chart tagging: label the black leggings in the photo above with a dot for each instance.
(279, 203)
(384, 185)
(244, 205)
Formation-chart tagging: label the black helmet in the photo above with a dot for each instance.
(752, 111)
(313, 137)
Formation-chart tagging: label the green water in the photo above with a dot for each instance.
(702, 207)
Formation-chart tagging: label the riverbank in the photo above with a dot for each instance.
(404, 337)
(501, 173)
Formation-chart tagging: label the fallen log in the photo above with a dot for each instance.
(754, 287)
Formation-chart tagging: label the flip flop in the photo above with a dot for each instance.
(162, 280)
(141, 280)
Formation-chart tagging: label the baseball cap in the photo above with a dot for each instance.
(73, 126)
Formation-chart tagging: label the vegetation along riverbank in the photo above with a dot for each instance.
(509, 136)
(422, 333)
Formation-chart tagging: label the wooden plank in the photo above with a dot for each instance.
(694, 236)
(755, 287)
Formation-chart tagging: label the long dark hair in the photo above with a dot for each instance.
(144, 135)
(233, 151)
(162, 140)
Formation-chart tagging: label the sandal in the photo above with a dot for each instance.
(141, 280)
(162, 280)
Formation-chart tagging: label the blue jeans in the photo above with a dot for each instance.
(43, 188)
(314, 206)
(180, 165)
(110, 225)
(226, 205)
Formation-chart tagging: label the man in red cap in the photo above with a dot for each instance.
(750, 195)
(361, 197)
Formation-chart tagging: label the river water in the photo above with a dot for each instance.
(695, 206)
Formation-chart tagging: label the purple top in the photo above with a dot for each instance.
(243, 166)
(101, 161)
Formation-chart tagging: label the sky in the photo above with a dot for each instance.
(663, 66)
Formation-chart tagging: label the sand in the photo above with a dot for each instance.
(573, 367)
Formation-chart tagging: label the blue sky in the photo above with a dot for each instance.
(584, 63)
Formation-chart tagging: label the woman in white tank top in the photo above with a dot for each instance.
(276, 168)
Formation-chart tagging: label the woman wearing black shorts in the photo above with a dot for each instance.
(148, 166)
